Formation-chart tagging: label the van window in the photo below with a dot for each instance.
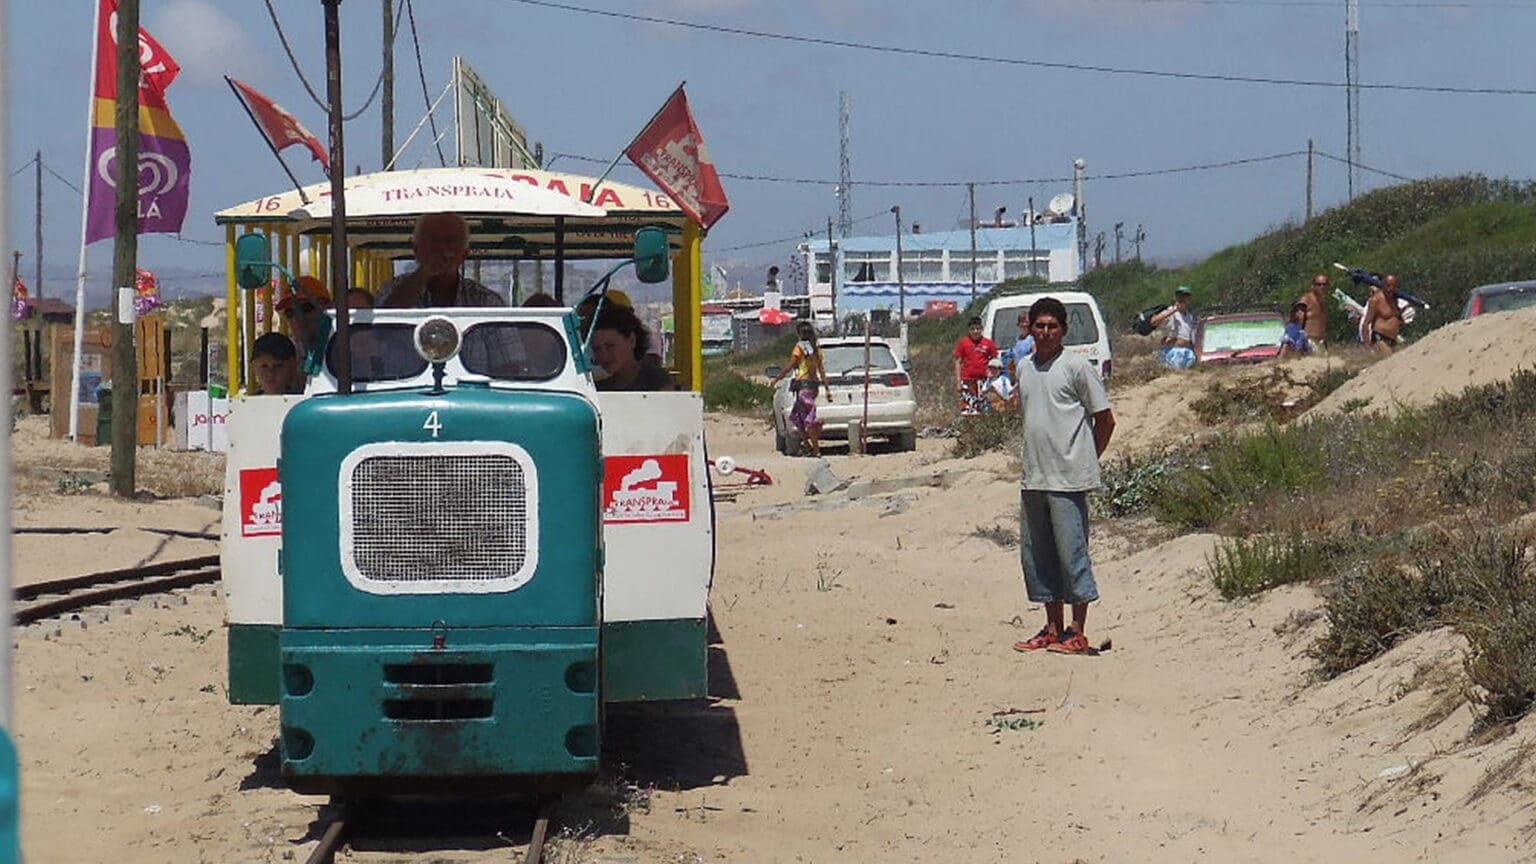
(1082, 329)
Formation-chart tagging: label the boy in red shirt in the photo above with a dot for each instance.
(971, 355)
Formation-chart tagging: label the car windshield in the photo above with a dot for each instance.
(1504, 301)
(1082, 329)
(1241, 334)
(847, 359)
(509, 351)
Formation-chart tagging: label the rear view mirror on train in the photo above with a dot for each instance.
(253, 261)
(651, 255)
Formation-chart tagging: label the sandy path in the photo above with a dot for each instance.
(868, 644)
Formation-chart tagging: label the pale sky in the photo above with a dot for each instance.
(585, 84)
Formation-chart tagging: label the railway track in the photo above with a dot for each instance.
(62, 596)
(338, 831)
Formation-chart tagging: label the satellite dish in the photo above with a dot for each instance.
(1062, 203)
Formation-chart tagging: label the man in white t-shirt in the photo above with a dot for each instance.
(1067, 425)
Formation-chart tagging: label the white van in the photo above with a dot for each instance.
(1086, 333)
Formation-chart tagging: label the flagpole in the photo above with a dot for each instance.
(85, 215)
(270, 146)
(615, 162)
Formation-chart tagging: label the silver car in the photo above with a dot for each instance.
(891, 407)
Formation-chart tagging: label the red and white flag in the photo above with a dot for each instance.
(280, 128)
(670, 150)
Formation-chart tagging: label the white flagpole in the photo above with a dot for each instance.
(85, 215)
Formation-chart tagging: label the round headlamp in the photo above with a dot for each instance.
(437, 340)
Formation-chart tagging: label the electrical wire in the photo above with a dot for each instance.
(1320, 4)
(1017, 61)
(59, 177)
(801, 236)
(297, 70)
(421, 72)
(1363, 167)
(919, 184)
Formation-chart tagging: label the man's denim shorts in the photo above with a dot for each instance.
(1054, 548)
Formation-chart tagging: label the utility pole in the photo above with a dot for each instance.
(901, 282)
(832, 268)
(1352, 89)
(1309, 179)
(387, 98)
(1078, 166)
(15, 267)
(1140, 236)
(1118, 234)
(1098, 250)
(1034, 252)
(844, 166)
(972, 188)
(125, 255)
(37, 285)
(341, 275)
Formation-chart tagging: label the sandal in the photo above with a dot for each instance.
(1044, 639)
(1076, 643)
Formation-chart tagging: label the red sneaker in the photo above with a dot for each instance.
(1044, 639)
(1075, 643)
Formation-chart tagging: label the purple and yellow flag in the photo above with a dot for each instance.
(165, 161)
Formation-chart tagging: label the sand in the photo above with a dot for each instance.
(1459, 355)
(866, 651)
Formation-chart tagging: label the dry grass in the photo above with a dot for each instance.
(46, 465)
(1503, 772)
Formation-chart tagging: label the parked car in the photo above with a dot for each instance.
(941, 309)
(1086, 333)
(892, 406)
(1499, 297)
(1236, 337)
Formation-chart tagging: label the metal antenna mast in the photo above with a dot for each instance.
(844, 169)
(1352, 88)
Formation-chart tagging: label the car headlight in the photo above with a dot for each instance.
(437, 340)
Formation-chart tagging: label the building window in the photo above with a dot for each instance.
(823, 268)
(1022, 264)
(923, 266)
(867, 267)
(960, 267)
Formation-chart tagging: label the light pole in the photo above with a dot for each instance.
(1078, 167)
(1119, 233)
(1141, 235)
(901, 282)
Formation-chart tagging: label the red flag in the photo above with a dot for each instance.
(281, 128)
(157, 69)
(670, 150)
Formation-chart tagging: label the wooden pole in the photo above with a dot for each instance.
(340, 265)
(1309, 179)
(387, 98)
(972, 188)
(125, 253)
(37, 219)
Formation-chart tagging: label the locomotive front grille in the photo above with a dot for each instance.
(436, 517)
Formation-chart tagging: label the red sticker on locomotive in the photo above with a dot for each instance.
(645, 489)
(261, 502)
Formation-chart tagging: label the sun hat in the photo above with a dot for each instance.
(304, 288)
(1183, 289)
(995, 361)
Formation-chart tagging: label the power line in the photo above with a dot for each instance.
(421, 72)
(297, 70)
(1014, 61)
(1321, 4)
(59, 177)
(908, 184)
(1362, 167)
(800, 236)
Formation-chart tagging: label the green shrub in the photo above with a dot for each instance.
(727, 391)
(1239, 473)
(989, 432)
(1374, 608)
(1131, 487)
(1242, 567)
(1494, 585)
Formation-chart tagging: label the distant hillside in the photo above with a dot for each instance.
(1441, 236)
